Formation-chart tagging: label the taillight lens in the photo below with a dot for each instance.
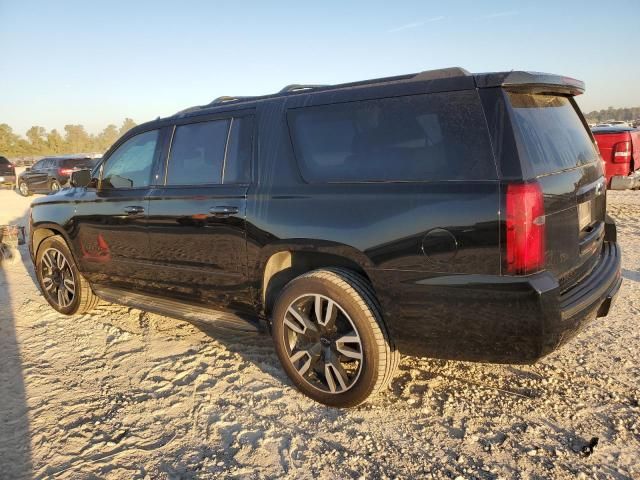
(525, 222)
(65, 171)
(622, 152)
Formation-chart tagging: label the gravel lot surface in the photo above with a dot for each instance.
(119, 393)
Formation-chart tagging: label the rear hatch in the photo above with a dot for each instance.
(559, 154)
(6, 168)
(69, 165)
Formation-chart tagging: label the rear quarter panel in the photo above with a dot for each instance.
(402, 234)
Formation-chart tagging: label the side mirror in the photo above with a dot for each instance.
(81, 178)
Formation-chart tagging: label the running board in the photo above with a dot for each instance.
(176, 309)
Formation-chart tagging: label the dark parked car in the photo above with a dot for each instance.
(51, 173)
(440, 214)
(7, 172)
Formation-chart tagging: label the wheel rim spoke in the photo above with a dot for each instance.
(46, 259)
(69, 285)
(303, 359)
(335, 376)
(47, 282)
(60, 260)
(350, 346)
(324, 315)
(61, 299)
(300, 323)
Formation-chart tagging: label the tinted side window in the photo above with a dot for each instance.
(439, 136)
(4, 161)
(237, 166)
(130, 165)
(197, 153)
(39, 165)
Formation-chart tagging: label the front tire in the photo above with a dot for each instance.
(62, 285)
(23, 188)
(330, 337)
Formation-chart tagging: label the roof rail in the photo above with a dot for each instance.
(227, 99)
(441, 73)
(296, 87)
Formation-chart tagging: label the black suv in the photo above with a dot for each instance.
(7, 172)
(51, 173)
(440, 214)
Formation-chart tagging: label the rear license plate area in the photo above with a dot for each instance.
(585, 214)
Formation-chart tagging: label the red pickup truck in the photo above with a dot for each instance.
(620, 150)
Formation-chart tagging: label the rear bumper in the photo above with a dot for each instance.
(490, 318)
(619, 182)
(590, 298)
(7, 179)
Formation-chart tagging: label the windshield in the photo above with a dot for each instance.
(551, 132)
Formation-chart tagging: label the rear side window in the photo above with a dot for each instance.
(439, 136)
(197, 153)
(550, 132)
(4, 161)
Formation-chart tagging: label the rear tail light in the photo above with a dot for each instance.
(525, 223)
(622, 152)
(65, 171)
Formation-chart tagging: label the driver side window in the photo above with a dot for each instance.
(36, 167)
(130, 165)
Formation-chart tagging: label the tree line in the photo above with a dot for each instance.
(626, 114)
(75, 139)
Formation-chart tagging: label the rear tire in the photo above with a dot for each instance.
(61, 283)
(54, 187)
(331, 339)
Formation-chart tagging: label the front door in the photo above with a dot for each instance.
(110, 233)
(36, 177)
(197, 218)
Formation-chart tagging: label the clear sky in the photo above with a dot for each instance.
(95, 63)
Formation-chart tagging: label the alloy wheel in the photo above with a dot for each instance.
(55, 187)
(58, 279)
(322, 343)
(24, 190)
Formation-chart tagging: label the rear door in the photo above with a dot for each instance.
(197, 213)
(555, 148)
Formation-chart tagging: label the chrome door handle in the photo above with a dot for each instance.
(133, 210)
(223, 211)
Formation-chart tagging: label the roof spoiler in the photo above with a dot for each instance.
(532, 81)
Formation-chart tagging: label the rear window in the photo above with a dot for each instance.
(77, 163)
(550, 132)
(4, 161)
(439, 136)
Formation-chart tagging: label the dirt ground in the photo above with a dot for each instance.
(119, 393)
